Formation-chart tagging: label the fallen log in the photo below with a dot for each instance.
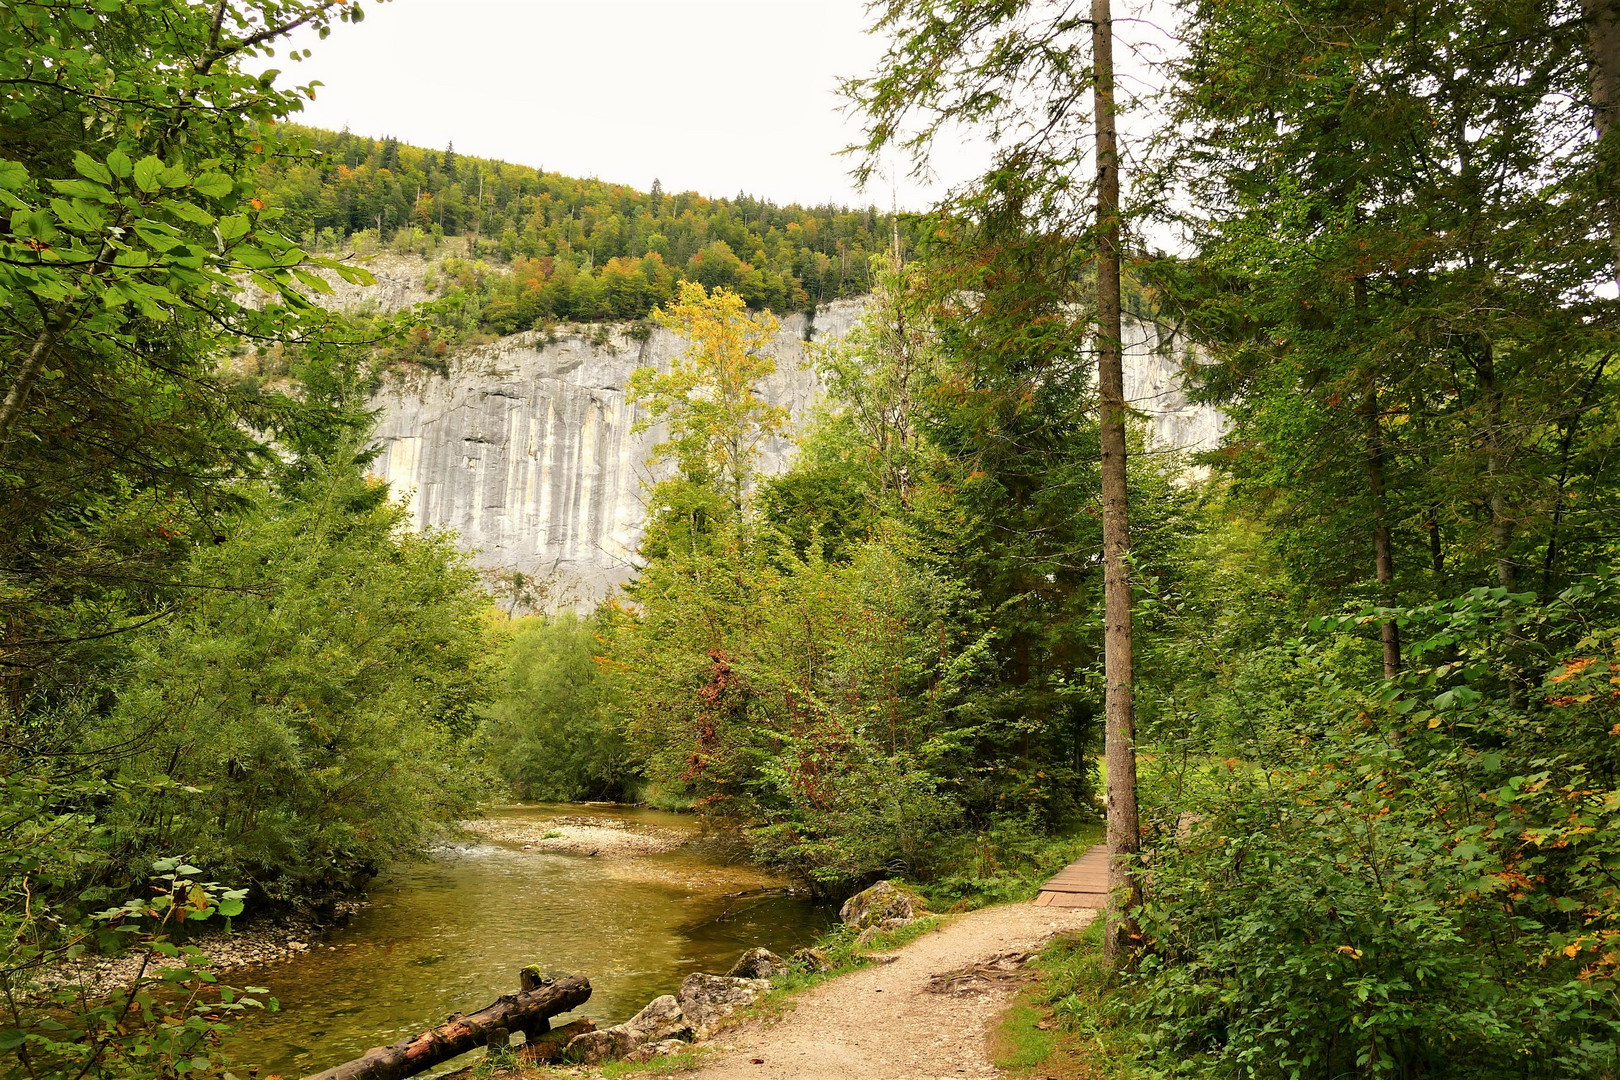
(528, 1011)
(547, 1047)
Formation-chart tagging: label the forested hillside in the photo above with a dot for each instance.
(579, 249)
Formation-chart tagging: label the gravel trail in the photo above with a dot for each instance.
(881, 1023)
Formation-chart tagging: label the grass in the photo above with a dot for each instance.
(1073, 1021)
(611, 1070)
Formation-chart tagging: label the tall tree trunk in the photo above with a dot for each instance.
(1124, 890)
(24, 380)
(1496, 467)
(1383, 549)
(1603, 44)
(1437, 550)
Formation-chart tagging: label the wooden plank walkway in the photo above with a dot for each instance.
(1081, 884)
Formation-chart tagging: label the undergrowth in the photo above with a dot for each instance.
(1005, 864)
(1074, 1021)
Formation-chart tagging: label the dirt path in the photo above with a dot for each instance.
(880, 1023)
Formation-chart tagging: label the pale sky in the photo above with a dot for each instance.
(714, 96)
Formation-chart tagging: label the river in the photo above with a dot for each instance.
(449, 935)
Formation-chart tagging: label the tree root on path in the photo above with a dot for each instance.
(981, 976)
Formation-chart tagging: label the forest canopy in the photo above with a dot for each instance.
(581, 249)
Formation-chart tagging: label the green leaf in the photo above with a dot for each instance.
(118, 163)
(11, 1038)
(12, 175)
(91, 169)
(253, 258)
(148, 173)
(314, 281)
(232, 226)
(156, 237)
(78, 215)
(215, 185)
(83, 189)
(230, 908)
(354, 275)
(187, 212)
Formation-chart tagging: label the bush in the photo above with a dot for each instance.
(309, 704)
(1423, 885)
(550, 732)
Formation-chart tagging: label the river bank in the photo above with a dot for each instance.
(261, 941)
(591, 830)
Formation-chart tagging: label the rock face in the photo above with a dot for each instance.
(525, 448)
(1154, 362)
(880, 904)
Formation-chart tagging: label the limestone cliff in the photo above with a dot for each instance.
(526, 448)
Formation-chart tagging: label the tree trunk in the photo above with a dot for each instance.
(1507, 571)
(1603, 43)
(32, 365)
(1383, 549)
(1124, 891)
(528, 1012)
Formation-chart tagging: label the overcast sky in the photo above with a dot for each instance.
(716, 96)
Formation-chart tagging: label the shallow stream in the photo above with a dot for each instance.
(449, 935)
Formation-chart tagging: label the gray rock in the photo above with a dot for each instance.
(758, 964)
(810, 960)
(659, 1022)
(662, 1019)
(881, 903)
(666, 1048)
(528, 448)
(595, 1047)
(707, 1000)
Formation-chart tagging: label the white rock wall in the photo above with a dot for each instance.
(526, 448)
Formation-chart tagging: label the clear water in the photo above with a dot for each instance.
(451, 934)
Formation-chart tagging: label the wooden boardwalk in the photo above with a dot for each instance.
(1081, 884)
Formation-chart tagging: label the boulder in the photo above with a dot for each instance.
(810, 960)
(667, 1048)
(661, 1021)
(883, 902)
(758, 964)
(595, 1047)
(706, 1000)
